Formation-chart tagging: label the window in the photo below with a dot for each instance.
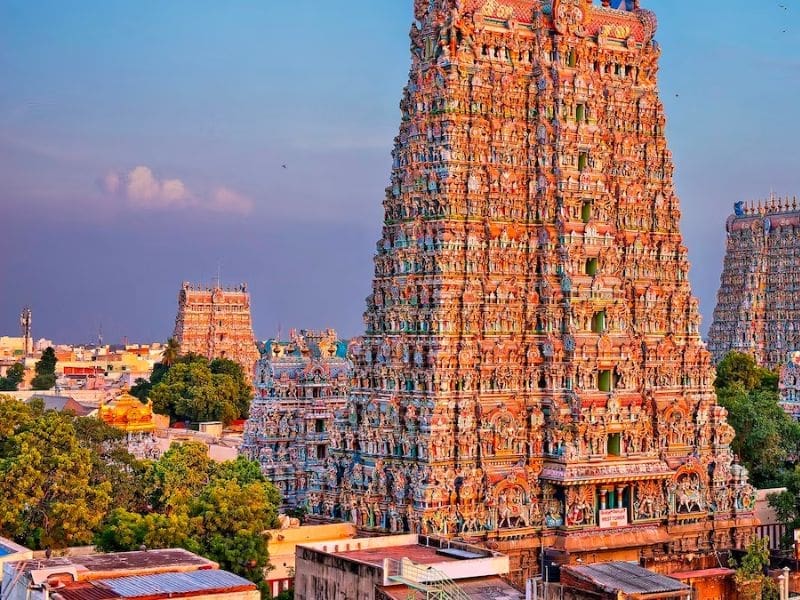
(599, 322)
(572, 58)
(580, 113)
(319, 425)
(591, 267)
(586, 211)
(614, 444)
(321, 452)
(604, 381)
(583, 161)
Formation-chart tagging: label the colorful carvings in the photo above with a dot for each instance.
(756, 309)
(532, 367)
(215, 323)
(299, 386)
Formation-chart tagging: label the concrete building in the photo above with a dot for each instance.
(283, 549)
(400, 567)
(154, 575)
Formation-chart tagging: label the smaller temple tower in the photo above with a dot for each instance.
(758, 311)
(300, 385)
(215, 322)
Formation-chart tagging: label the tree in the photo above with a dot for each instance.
(14, 376)
(179, 475)
(738, 368)
(45, 378)
(172, 352)
(47, 498)
(194, 389)
(220, 511)
(767, 439)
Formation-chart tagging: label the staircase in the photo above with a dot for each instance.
(434, 584)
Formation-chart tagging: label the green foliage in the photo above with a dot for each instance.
(738, 369)
(14, 376)
(218, 510)
(47, 497)
(751, 577)
(45, 378)
(767, 439)
(195, 390)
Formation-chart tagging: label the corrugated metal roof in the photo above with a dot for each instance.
(628, 578)
(174, 583)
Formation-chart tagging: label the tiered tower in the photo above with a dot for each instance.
(215, 323)
(532, 372)
(758, 311)
(300, 384)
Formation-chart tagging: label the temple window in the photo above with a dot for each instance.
(572, 58)
(586, 211)
(614, 444)
(580, 113)
(599, 322)
(591, 267)
(604, 380)
(583, 161)
(319, 425)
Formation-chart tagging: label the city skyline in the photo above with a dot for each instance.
(204, 137)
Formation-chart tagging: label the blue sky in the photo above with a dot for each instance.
(142, 144)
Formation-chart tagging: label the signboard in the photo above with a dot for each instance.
(613, 517)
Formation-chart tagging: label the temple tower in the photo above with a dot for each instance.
(215, 322)
(300, 384)
(758, 311)
(532, 373)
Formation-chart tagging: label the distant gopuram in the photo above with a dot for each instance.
(215, 323)
(758, 304)
(532, 374)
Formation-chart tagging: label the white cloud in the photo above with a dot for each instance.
(226, 200)
(143, 190)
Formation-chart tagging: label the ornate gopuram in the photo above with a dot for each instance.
(215, 322)
(532, 373)
(299, 386)
(758, 304)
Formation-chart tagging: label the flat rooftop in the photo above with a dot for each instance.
(417, 553)
(118, 564)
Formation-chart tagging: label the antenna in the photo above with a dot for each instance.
(100, 335)
(25, 322)
(219, 274)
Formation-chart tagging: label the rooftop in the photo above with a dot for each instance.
(483, 588)
(155, 586)
(102, 566)
(625, 577)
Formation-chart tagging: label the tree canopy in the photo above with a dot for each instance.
(218, 510)
(767, 439)
(194, 389)
(45, 378)
(14, 376)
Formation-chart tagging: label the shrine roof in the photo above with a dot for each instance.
(628, 578)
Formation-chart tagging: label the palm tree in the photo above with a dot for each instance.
(171, 352)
